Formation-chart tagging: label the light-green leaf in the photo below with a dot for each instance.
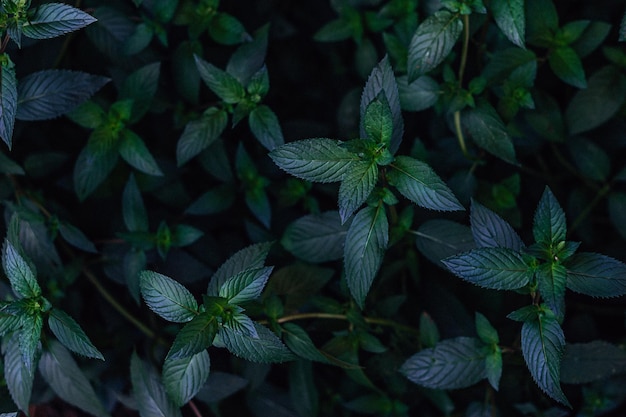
(265, 127)
(356, 186)
(318, 160)
(224, 85)
(134, 151)
(194, 337)
(19, 272)
(8, 99)
(510, 18)
(417, 181)
(316, 237)
(543, 344)
(184, 377)
(432, 42)
(495, 268)
(266, 348)
(364, 250)
(247, 258)
(71, 335)
(596, 275)
(566, 65)
(549, 226)
(151, 397)
(451, 364)
(167, 298)
(200, 134)
(246, 285)
(55, 19)
(491, 230)
(18, 377)
(489, 132)
(66, 379)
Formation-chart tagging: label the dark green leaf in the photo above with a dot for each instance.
(617, 212)
(364, 250)
(133, 209)
(242, 324)
(219, 386)
(55, 19)
(486, 332)
(600, 101)
(259, 83)
(495, 268)
(249, 57)
(18, 377)
(440, 239)
(149, 393)
(417, 181)
(378, 120)
(429, 333)
(543, 344)
(227, 29)
(302, 389)
(265, 127)
(434, 39)
(356, 186)
(622, 29)
(67, 380)
(333, 31)
(185, 235)
(224, 85)
(566, 65)
(8, 99)
(213, 201)
(141, 86)
(418, 95)
(542, 21)
(246, 285)
(546, 119)
(491, 230)
(590, 159)
(10, 320)
(194, 337)
(111, 30)
(139, 40)
(591, 38)
(20, 274)
(134, 262)
(8, 166)
(76, 238)
(596, 275)
(594, 361)
(267, 348)
(549, 226)
(184, 377)
(94, 163)
(297, 339)
(551, 280)
(200, 134)
(134, 151)
(184, 71)
(489, 132)
(71, 335)
(320, 159)
(451, 364)
(316, 237)
(493, 367)
(168, 298)
(504, 61)
(29, 340)
(88, 114)
(251, 257)
(524, 314)
(51, 93)
(510, 18)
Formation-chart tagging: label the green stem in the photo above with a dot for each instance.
(330, 316)
(457, 114)
(459, 133)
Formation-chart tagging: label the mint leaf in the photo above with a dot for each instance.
(510, 18)
(594, 361)
(495, 268)
(184, 377)
(194, 337)
(491, 230)
(167, 298)
(439, 239)
(94, 163)
(250, 257)
(227, 29)
(451, 364)
(549, 226)
(543, 344)
(133, 208)
(265, 127)
(140, 87)
(149, 393)
(489, 132)
(224, 85)
(219, 386)
(66, 379)
(316, 237)
(55, 19)
(486, 332)
(297, 339)
(493, 367)
(134, 151)
(71, 335)
(364, 250)
(246, 285)
(378, 120)
(19, 272)
(8, 100)
(318, 160)
(75, 237)
(249, 57)
(596, 275)
(417, 181)
(266, 348)
(200, 134)
(432, 42)
(356, 186)
(29, 340)
(566, 65)
(418, 95)
(551, 280)
(19, 378)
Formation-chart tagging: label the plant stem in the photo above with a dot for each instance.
(462, 65)
(459, 133)
(330, 316)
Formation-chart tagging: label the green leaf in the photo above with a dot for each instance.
(94, 163)
(491, 230)
(227, 29)
(600, 101)
(251, 257)
(141, 86)
(382, 80)
(551, 280)
(185, 235)
(316, 237)
(524, 314)
(167, 298)
(429, 333)
(432, 42)
(184, 72)
(549, 226)
(8, 166)
(546, 119)
(542, 22)
(88, 115)
(216, 200)
(219, 386)
(333, 31)
(139, 40)
(440, 239)
(29, 339)
(133, 209)
(246, 285)
(248, 59)
(493, 367)
(194, 337)
(378, 120)
(364, 250)
(486, 332)
(297, 339)
(18, 377)
(451, 364)
(259, 83)
(200, 134)
(622, 29)
(149, 393)
(495, 268)
(356, 186)
(596, 275)
(265, 127)
(592, 161)
(319, 159)
(617, 212)
(8, 99)
(133, 263)
(302, 389)
(594, 361)
(48, 94)
(242, 324)
(66, 379)
(134, 151)
(566, 65)
(19, 272)
(419, 94)
(71, 335)
(55, 19)
(543, 344)
(489, 132)
(10, 320)
(75, 237)
(224, 85)
(184, 377)
(266, 348)
(510, 18)
(592, 37)
(417, 181)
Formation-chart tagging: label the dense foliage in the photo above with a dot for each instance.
(303, 208)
